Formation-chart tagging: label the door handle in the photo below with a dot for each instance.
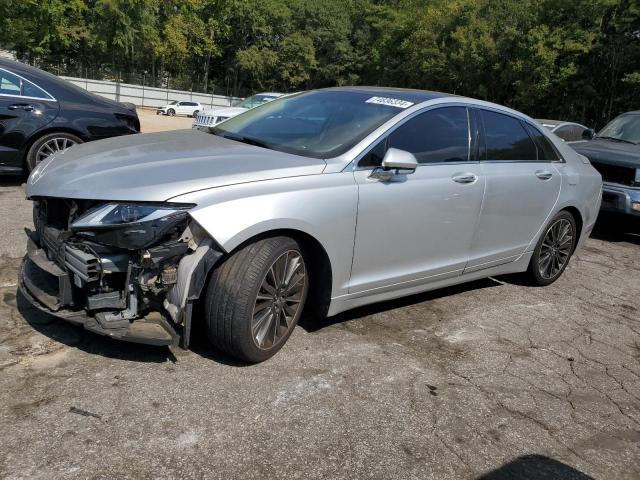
(464, 177)
(544, 174)
(22, 106)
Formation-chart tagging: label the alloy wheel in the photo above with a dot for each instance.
(279, 300)
(556, 248)
(54, 145)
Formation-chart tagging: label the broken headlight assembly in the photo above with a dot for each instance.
(131, 226)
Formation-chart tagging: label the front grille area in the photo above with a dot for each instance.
(205, 120)
(616, 174)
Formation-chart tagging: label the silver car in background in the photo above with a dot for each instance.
(213, 116)
(567, 131)
(322, 201)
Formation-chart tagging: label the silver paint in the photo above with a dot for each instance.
(385, 238)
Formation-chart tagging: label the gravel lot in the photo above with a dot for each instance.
(489, 380)
(150, 122)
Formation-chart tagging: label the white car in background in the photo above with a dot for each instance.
(190, 109)
(213, 116)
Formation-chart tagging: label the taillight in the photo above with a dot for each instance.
(130, 121)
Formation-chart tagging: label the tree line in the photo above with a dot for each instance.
(567, 59)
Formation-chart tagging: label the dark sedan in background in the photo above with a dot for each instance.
(41, 114)
(615, 153)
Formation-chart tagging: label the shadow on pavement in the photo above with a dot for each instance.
(311, 324)
(617, 228)
(535, 467)
(12, 180)
(77, 337)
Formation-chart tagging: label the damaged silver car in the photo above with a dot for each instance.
(318, 202)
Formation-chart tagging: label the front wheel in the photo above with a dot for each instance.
(255, 298)
(171, 112)
(554, 249)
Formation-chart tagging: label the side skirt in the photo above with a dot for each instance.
(349, 301)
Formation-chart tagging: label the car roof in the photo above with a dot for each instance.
(547, 122)
(557, 123)
(412, 95)
(56, 86)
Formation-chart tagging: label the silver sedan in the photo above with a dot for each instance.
(317, 202)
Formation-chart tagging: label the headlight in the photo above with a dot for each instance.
(131, 226)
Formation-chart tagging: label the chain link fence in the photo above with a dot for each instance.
(142, 96)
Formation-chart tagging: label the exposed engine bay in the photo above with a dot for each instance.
(130, 271)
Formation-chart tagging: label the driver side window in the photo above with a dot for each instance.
(374, 157)
(437, 136)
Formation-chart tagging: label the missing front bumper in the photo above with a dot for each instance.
(153, 329)
(145, 296)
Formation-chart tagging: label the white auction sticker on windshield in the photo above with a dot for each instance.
(392, 102)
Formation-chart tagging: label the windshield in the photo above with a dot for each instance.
(319, 124)
(255, 101)
(625, 127)
(174, 102)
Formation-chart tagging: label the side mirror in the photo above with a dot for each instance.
(395, 162)
(588, 134)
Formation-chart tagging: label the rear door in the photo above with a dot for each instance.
(25, 108)
(522, 188)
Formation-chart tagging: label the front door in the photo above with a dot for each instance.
(418, 227)
(522, 187)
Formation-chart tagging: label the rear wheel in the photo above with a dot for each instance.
(554, 249)
(47, 145)
(195, 113)
(255, 298)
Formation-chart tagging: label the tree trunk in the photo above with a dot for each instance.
(206, 72)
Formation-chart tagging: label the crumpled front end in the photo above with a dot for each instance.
(128, 271)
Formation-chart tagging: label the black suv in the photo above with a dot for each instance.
(615, 153)
(41, 114)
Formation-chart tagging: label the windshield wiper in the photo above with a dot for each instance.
(247, 140)
(617, 139)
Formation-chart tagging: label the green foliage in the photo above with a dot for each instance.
(576, 60)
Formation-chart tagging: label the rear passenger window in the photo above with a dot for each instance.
(506, 138)
(546, 151)
(439, 135)
(9, 84)
(30, 90)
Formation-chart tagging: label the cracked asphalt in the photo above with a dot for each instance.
(491, 380)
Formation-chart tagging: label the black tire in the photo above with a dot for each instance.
(231, 305)
(171, 112)
(195, 113)
(34, 154)
(536, 273)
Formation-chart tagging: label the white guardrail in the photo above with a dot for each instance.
(142, 96)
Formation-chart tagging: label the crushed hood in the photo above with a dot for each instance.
(610, 152)
(160, 166)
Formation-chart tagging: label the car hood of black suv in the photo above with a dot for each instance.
(612, 152)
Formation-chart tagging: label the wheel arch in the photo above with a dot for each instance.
(46, 131)
(577, 216)
(317, 260)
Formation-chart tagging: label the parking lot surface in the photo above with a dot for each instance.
(150, 122)
(491, 380)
